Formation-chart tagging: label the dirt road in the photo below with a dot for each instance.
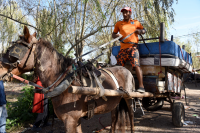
(151, 122)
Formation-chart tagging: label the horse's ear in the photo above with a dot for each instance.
(26, 33)
(34, 34)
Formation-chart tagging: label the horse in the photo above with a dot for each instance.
(48, 64)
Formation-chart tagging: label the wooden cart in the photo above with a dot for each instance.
(162, 83)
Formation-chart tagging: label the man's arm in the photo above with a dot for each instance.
(115, 35)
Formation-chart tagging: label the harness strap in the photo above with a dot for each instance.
(112, 76)
(29, 82)
(59, 79)
(126, 38)
(122, 41)
(102, 90)
(129, 42)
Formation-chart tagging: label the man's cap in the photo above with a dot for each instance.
(126, 8)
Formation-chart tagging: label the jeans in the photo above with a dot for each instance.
(3, 119)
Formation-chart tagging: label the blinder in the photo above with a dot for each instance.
(18, 51)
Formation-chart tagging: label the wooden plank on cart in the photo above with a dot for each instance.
(108, 92)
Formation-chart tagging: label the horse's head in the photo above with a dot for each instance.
(19, 58)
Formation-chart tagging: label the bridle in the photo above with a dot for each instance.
(18, 51)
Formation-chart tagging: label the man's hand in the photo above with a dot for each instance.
(115, 35)
(140, 31)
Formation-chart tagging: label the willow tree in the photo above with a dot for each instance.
(9, 29)
(75, 24)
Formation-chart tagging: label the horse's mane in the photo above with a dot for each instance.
(63, 61)
(47, 44)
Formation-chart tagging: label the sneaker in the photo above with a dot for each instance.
(36, 129)
(140, 89)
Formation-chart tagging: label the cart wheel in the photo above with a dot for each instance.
(178, 114)
(151, 104)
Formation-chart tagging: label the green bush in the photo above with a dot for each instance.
(21, 110)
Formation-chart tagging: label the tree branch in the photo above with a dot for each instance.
(112, 12)
(86, 36)
(18, 21)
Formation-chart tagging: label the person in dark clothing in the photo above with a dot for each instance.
(3, 111)
(42, 118)
(40, 106)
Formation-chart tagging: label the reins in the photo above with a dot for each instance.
(42, 90)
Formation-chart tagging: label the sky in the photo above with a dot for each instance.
(187, 19)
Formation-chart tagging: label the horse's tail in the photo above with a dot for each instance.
(122, 117)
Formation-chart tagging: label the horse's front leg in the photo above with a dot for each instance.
(71, 125)
(78, 128)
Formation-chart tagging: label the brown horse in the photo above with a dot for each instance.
(49, 65)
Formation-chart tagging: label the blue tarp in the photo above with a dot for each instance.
(167, 47)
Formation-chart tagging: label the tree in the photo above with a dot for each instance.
(73, 24)
(195, 59)
(9, 29)
(188, 48)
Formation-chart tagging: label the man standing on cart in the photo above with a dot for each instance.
(129, 46)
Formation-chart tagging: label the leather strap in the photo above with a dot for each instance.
(122, 41)
(112, 76)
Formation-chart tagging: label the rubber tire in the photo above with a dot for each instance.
(178, 114)
(146, 102)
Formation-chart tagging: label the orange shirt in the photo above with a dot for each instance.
(125, 28)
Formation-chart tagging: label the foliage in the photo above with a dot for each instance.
(188, 48)
(28, 77)
(21, 110)
(195, 59)
(72, 25)
(9, 28)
